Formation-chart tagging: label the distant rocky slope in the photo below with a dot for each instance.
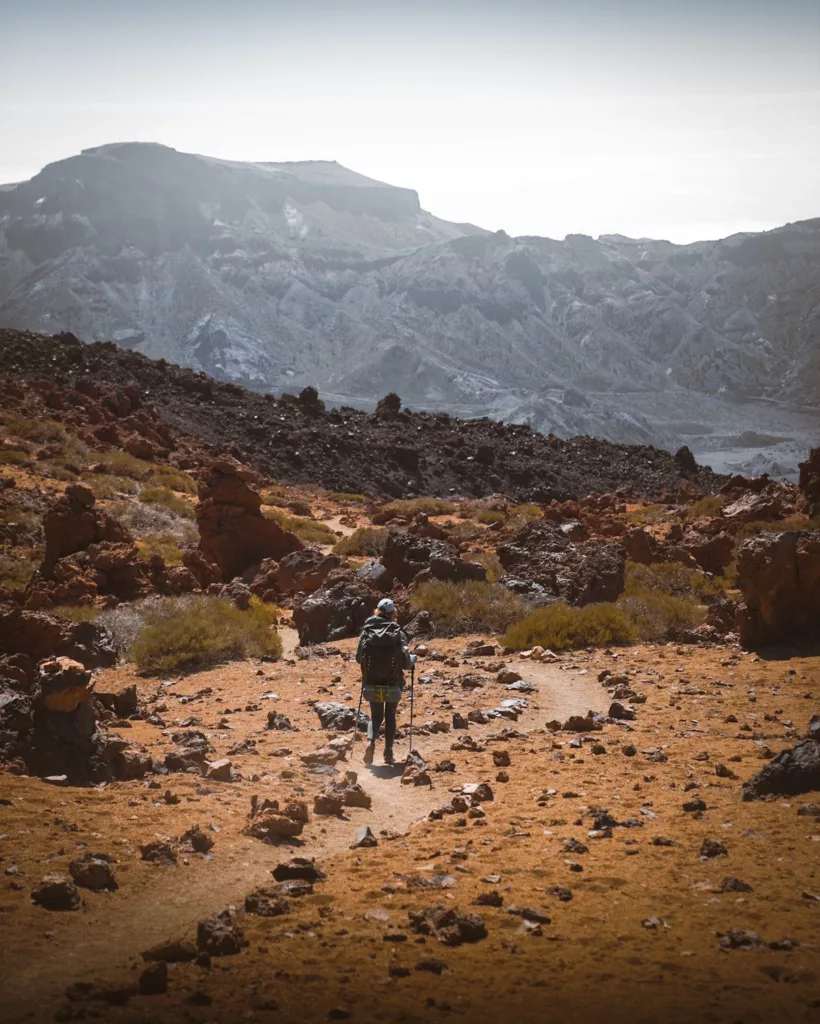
(279, 276)
(388, 453)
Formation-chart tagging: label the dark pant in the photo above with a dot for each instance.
(378, 713)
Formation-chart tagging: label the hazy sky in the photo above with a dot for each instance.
(670, 118)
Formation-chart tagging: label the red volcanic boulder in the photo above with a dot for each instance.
(641, 546)
(408, 557)
(712, 554)
(779, 577)
(810, 482)
(233, 533)
(42, 636)
(73, 523)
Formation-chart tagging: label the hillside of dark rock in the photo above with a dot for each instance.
(388, 453)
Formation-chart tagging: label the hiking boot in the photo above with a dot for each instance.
(369, 750)
(388, 755)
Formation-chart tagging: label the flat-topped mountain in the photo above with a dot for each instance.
(280, 275)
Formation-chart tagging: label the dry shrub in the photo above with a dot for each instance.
(490, 561)
(366, 540)
(463, 532)
(166, 545)
(470, 607)
(175, 479)
(794, 524)
(648, 514)
(76, 612)
(346, 498)
(13, 457)
(560, 627)
(104, 486)
(17, 570)
(666, 577)
(409, 507)
(165, 497)
(706, 508)
(142, 520)
(120, 463)
(490, 516)
(38, 431)
(659, 616)
(309, 531)
(183, 633)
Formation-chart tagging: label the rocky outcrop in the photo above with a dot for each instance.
(792, 771)
(779, 578)
(73, 524)
(63, 740)
(711, 553)
(305, 570)
(38, 635)
(541, 562)
(337, 610)
(810, 483)
(409, 558)
(233, 533)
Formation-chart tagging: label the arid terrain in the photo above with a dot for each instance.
(599, 820)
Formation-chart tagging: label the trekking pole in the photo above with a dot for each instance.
(412, 696)
(358, 714)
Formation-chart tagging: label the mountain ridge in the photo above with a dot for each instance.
(281, 275)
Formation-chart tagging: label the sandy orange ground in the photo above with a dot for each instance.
(594, 960)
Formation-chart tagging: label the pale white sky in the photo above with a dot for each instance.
(677, 120)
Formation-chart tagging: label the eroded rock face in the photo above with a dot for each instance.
(305, 570)
(334, 612)
(792, 771)
(810, 482)
(233, 532)
(409, 557)
(73, 523)
(541, 555)
(39, 636)
(779, 577)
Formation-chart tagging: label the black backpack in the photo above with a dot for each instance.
(382, 661)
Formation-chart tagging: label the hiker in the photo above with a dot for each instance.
(383, 654)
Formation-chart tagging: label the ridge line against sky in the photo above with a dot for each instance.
(680, 120)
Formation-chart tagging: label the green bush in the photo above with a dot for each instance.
(470, 607)
(309, 531)
(196, 631)
(659, 616)
(367, 540)
(163, 496)
(560, 627)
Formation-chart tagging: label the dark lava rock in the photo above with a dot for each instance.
(621, 713)
(267, 902)
(199, 841)
(734, 885)
(56, 892)
(694, 805)
(560, 893)
(364, 839)
(449, 925)
(93, 872)
(158, 852)
(739, 938)
(172, 951)
(336, 611)
(712, 848)
(154, 979)
(279, 722)
(791, 772)
(220, 935)
(338, 717)
(298, 868)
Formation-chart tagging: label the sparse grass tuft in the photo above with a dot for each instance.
(559, 627)
(463, 531)
(348, 499)
(165, 498)
(794, 524)
(708, 507)
(470, 607)
(174, 479)
(183, 633)
(367, 540)
(103, 486)
(409, 507)
(143, 520)
(38, 431)
(309, 531)
(490, 561)
(166, 545)
(17, 570)
(659, 616)
(76, 612)
(12, 457)
(648, 515)
(120, 463)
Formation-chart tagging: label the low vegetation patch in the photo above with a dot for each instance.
(678, 580)
(166, 545)
(17, 570)
(659, 616)
(409, 507)
(36, 430)
(366, 540)
(76, 612)
(142, 520)
(559, 627)
(104, 486)
(490, 561)
(648, 515)
(174, 479)
(470, 607)
(708, 507)
(13, 457)
(794, 524)
(463, 532)
(184, 633)
(120, 463)
(309, 531)
(165, 498)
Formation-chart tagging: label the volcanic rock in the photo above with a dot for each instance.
(779, 578)
(791, 772)
(449, 925)
(153, 981)
(220, 935)
(305, 570)
(338, 717)
(336, 611)
(56, 892)
(810, 483)
(92, 871)
(408, 557)
(233, 533)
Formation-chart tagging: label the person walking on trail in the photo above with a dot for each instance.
(383, 655)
